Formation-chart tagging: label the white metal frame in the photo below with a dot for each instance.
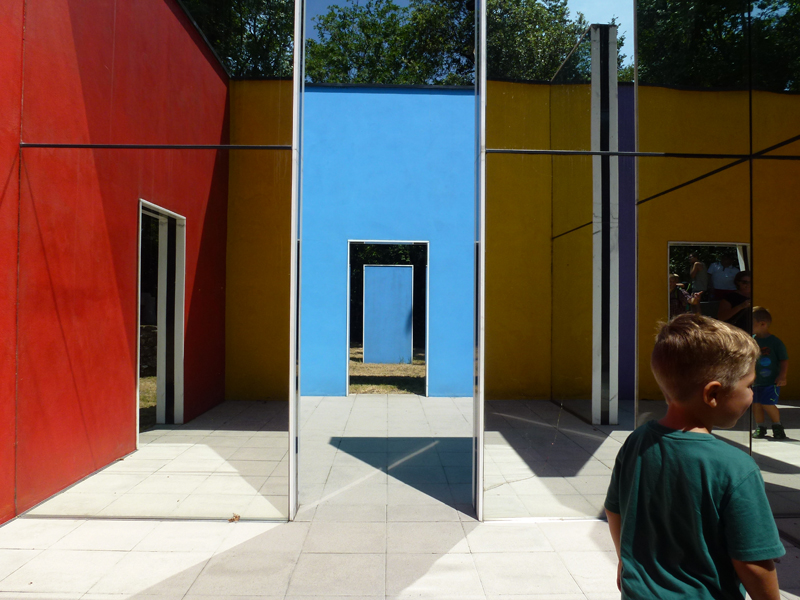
(162, 215)
(295, 262)
(427, 298)
(478, 401)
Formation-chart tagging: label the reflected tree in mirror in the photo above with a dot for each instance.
(704, 43)
(433, 42)
(253, 38)
(379, 41)
(776, 45)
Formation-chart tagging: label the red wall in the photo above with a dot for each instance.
(11, 76)
(110, 71)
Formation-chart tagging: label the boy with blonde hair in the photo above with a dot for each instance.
(770, 376)
(687, 511)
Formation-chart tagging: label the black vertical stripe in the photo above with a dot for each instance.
(169, 388)
(605, 226)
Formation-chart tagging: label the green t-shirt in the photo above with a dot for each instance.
(769, 363)
(689, 503)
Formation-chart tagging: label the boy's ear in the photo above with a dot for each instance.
(711, 393)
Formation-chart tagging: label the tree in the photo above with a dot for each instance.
(711, 43)
(253, 38)
(433, 41)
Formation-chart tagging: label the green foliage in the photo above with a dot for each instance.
(433, 41)
(707, 44)
(252, 37)
(529, 39)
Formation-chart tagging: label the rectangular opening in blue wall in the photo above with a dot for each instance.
(387, 318)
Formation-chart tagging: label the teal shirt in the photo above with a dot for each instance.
(769, 363)
(689, 503)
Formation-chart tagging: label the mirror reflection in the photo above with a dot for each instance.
(387, 272)
(559, 376)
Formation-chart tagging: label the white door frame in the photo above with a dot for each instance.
(163, 215)
(427, 299)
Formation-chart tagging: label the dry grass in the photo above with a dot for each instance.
(147, 403)
(386, 379)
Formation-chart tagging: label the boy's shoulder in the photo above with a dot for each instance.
(691, 447)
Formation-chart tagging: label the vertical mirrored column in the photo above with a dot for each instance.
(558, 111)
(387, 264)
(775, 173)
(694, 202)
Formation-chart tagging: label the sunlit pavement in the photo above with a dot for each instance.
(385, 513)
(353, 552)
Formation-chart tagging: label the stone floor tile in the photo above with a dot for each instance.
(106, 535)
(57, 571)
(170, 483)
(578, 536)
(266, 538)
(421, 512)
(432, 576)
(13, 559)
(346, 538)
(143, 505)
(343, 513)
(595, 572)
(506, 537)
(242, 571)
(525, 572)
(210, 506)
(73, 504)
(35, 533)
(329, 575)
(152, 572)
(185, 536)
(432, 538)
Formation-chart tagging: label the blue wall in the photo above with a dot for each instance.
(390, 164)
(388, 314)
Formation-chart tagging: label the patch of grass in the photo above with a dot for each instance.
(386, 379)
(147, 403)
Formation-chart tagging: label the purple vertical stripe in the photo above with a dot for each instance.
(627, 245)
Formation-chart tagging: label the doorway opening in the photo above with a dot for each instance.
(162, 250)
(702, 274)
(387, 318)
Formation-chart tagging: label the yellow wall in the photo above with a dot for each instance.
(538, 292)
(259, 243)
(518, 256)
(717, 208)
(776, 248)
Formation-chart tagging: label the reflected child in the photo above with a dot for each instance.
(773, 365)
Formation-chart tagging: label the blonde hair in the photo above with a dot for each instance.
(692, 350)
(761, 315)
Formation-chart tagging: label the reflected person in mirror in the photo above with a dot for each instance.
(680, 299)
(699, 275)
(721, 274)
(770, 376)
(688, 512)
(735, 308)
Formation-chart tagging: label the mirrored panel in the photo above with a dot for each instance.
(693, 76)
(387, 259)
(776, 78)
(777, 333)
(559, 355)
(555, 411)
(694, 256)
(172, 358)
